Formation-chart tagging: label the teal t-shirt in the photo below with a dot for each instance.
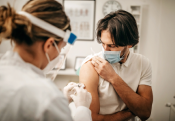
(78, 71)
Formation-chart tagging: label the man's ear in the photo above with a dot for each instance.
(129, 46)
(48, 44)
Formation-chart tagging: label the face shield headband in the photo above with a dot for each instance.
(67, 36)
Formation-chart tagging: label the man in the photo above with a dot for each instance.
(119, 80)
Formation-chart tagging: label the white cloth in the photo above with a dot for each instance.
(79, 111)
(26, 95)
(135, 71)
(79, 114)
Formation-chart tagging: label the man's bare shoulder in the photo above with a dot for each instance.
(88, 74)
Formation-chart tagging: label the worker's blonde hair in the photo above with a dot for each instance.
(19, 29)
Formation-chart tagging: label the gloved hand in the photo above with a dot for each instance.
(67, 91)
(82, 97)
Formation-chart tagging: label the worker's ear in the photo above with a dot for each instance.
(50, 49)
(48, 45)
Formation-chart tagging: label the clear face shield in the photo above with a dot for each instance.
(62, 56)
(68, 38)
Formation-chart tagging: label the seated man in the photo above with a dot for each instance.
(118, 80)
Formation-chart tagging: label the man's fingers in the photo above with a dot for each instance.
(94, 64)
(100, 59)
(96, 69)
(97, 61)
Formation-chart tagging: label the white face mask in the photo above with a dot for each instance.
(51, 63)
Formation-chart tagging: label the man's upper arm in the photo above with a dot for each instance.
(90, 78)
(144, 88)
(146, 93)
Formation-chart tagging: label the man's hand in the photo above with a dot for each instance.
(103, 68)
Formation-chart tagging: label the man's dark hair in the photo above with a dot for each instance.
(122, 26)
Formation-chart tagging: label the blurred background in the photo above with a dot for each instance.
(156, 24)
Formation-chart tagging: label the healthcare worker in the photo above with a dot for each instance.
(38, 33)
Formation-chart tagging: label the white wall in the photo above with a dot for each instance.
(164, 71)
(157, 43)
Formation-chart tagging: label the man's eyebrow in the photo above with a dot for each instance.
(109, 44)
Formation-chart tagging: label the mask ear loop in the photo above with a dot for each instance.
(47, 56)
(56, 47)
(124, 55)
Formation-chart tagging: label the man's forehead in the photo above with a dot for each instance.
(107, 42)
(106, 37)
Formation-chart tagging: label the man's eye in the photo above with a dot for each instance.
(112, 46)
